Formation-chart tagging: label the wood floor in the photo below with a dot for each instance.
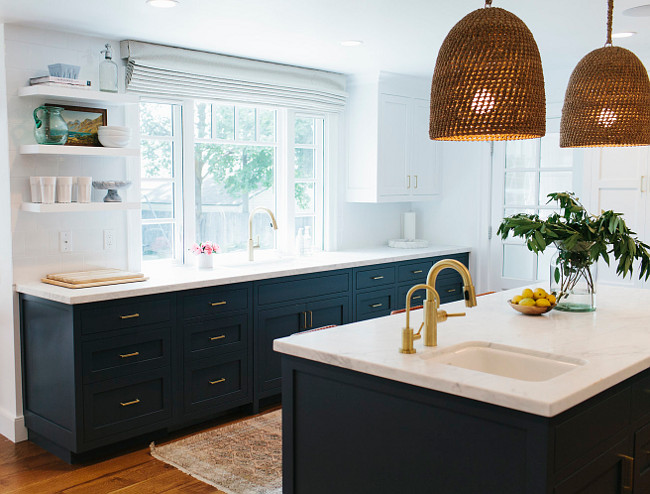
(27, 468)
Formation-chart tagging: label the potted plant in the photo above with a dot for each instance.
(204, 251)
(581, 239)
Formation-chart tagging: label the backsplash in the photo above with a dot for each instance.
(35, 237)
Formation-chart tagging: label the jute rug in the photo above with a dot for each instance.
(240, 458)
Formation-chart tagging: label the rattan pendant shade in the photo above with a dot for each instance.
(607, 101)
(488, 83)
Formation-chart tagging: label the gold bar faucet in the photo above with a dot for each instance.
(252, 245)
(431, 314)
(407, 333)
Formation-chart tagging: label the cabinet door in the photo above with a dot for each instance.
(424, 164)
(272, 324)
(393, 152)
(327, 312)
(642, 460)
(609, 473)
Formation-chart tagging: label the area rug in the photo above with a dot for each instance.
(240, 458)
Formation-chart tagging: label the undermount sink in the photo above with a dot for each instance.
(506, 361)
(262, 258)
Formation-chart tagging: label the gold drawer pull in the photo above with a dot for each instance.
(214, 304)
(130, 316)
(451, 290)
(627, 475)
(127, 355)
(374, 306)
(377, 278)
(220, 337)
(218, 381)
(134, 402)
(417, 271)
(416, 297)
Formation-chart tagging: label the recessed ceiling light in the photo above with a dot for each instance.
(640, 11)
(163, 4)
(351, 42)
(625, 34)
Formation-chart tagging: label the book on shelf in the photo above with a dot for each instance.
(58, 81)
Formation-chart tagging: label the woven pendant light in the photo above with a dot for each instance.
(607, 102)
(488, 83)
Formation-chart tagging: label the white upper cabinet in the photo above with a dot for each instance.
(390, 155)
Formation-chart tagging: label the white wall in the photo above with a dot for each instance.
(29, 243)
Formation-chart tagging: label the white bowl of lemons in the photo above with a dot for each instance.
(533, 302)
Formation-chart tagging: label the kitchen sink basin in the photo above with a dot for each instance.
(506, 361)
(240, 260)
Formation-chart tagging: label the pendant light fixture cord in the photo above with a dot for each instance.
(610, 16)
(488, 3)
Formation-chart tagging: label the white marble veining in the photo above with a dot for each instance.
(231, 268)
(613, 342)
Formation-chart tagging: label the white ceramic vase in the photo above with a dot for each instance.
(204, 261)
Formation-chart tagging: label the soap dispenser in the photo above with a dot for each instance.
(300, 243)
(308, 242)
(108, 71)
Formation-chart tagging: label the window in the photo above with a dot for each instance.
(236, 158)
(161, 189)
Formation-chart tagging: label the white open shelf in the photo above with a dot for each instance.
(63, 93)
(77, 150)
(72, 207)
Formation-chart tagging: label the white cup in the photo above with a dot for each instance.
(84, 188)
(48, 185)
(35, 188)
(64, 189)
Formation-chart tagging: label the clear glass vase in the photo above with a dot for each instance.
(574, 284)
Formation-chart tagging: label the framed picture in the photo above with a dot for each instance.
(83, 124)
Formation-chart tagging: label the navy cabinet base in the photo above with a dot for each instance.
(345, 431)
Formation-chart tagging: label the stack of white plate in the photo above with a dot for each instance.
(113, 136)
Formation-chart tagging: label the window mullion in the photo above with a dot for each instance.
(188, 178)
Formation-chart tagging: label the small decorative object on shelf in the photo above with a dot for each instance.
(114, 136)
(111, 186)
(108, 71)
(64, 70)
(204, 251)
(82, 123)
(581, 239)
(49, 125)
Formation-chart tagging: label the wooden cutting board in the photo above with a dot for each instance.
(98, 277)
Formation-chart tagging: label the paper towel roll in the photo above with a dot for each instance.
(408, 226)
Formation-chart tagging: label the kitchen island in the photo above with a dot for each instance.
(361, 417)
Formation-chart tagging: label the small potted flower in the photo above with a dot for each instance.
(204, 251)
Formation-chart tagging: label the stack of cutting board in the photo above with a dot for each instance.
(97, 277)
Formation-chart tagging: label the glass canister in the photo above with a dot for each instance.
(50, 128)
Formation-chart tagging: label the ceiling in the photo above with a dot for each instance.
(402, 37)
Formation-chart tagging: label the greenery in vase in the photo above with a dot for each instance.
(581, 240)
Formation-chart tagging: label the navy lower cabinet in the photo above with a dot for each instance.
(382, 436)
(315, 301)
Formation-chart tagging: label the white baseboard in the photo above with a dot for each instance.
(13, 428)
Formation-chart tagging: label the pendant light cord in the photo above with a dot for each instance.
(488, 3)
(610, 16)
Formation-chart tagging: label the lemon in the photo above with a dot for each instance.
(527, 301)
(516, 299)
(527, 293)
(542, 302)
(551, 298)
(539, 293)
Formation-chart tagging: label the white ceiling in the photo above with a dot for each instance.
(399, 36)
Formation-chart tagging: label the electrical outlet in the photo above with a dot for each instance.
(109, 239)
(65, 242)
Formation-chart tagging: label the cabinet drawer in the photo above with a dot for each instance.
(135, 312)
(125, 404)
(216, 336)
(450, 291)
(414, 272)
(417, 298)
(641, 398)
(375, 304)
(210, 384)
(114, 357)
(273, 292)
(574, 437)
(215, 301)
(375, 276)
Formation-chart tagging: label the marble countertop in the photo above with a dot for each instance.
(613, 342)
(231, 268)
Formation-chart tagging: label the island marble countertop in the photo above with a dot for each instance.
(231, 268)
(613, 342)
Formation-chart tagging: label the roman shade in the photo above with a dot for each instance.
(178, 72)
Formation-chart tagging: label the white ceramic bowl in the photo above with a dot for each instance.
(117, 128)
(114, 141)
(114, 133)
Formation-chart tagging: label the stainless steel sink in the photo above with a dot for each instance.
(506, 361)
